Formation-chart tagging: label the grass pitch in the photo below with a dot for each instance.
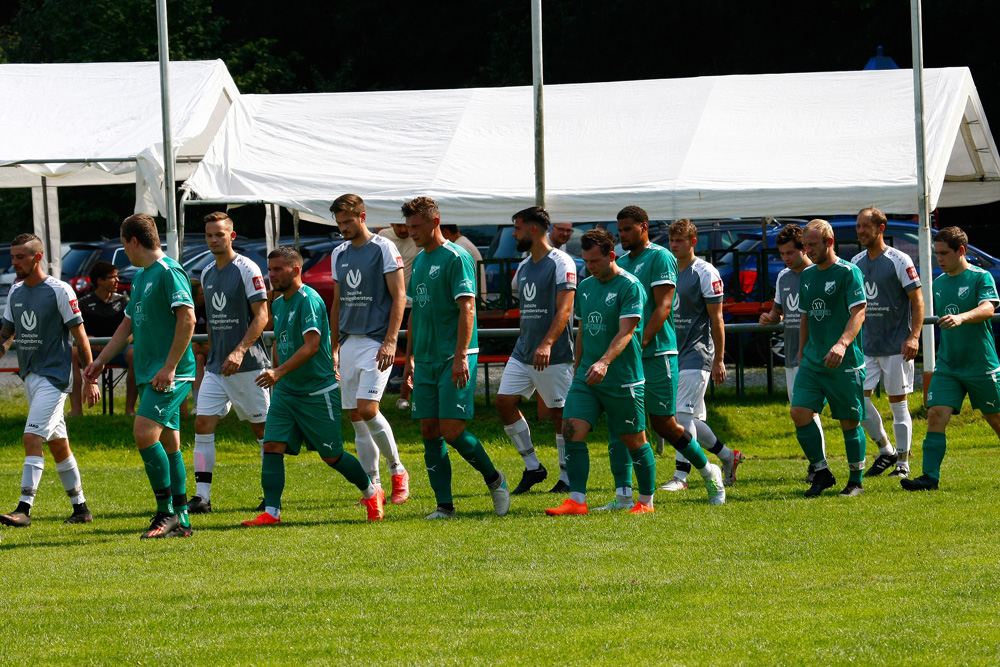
(769, 579)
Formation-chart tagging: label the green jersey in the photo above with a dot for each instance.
(156, 291)
(654, 266)
(968, 349)
(437, 281)
(826, 297)
(599, 307)
(304, 311)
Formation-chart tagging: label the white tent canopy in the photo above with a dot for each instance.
(786, 144)
(100, 124)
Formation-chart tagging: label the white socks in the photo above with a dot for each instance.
(30, 478)
(711, 443)
(578, 497)
(624, 492)
(873, 427)
(69, 475)
(520, 435)
(381, 434)
(822, 436)
(204, 463)
(902, 426)
(561, 448)
(367, 451)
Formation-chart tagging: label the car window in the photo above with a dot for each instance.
(76, 261)
(904, 241)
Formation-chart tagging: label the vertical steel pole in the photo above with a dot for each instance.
(923, 203)
(173, 249)
(536, 66)
(48, 231)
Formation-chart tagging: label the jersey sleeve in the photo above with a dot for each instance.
(854, 289)
(8, 317)
(711, 283)
(68, 304)
(178, 288)
(906, 272)
(391, 259)
(986, 290)
(778, 305)
(565, 272)
(463, 276)
(578, 306)
(663, 272)
(312, 311)
(253, 281)
(633, 301)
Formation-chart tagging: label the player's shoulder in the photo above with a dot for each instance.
(587, 284)
(561, 258)
(842, 265)
(631, 279)
(380, 242)
(60, 288)
(782, 274)
(704, 268)
(657, 249)
(456, 250)
(245, 265)
(859, 257)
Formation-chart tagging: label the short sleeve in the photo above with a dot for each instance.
(463, 276)
(565, 274)
(632, 301)
(906, 272)
(8, 317)
(987, 289)
(391, 259)
(312, 313)
(68, 304)
(662, 272)
(253, 281)
(777, 293)
(178, 288)
(710, 282)
(854, 287)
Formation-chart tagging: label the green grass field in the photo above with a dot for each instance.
(768, 579)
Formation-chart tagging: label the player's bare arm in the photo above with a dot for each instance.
(466, 317)
(386, 354)
(118, 342)
(91, 391)
(835, 356)
(335, 326)
(235, 359)
(980, 313)
(663, 297)
(183, 331)
(719, 340)
(773, 316)
(626, 328)
(6, 338)
(408, 364)
(310, 346)
(912, 343)
(578, 349)
(564, 308)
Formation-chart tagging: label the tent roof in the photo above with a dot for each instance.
(786, 144)
(109, 115)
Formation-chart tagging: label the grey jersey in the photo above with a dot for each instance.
(786, 299)
(42, 317)
(697, 286)
(888, 279)
(228, 295)
(365, 300)
(536, 285)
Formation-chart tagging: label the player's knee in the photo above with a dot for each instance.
(507, 407)
(204, 424)
(937, 417)
(274, 448)
(801, 416)
(366, 410)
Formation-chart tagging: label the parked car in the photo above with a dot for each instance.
(82, 256)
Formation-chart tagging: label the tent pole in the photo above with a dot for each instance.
(536, 66)
(185, 195)
(168, 144)
(45, 213)
(295, 226)
(923, 208)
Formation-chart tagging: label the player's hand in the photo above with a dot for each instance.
(950, 321)
(91, 393)
(92, 373)
(408, 372)
(910, 348)
(719, 372)
(460, 371)
(766, 320)
(268, 378)
(335, 353)
(542, 357)
(163, 380)
(835, 356)
(386, 355)
(596, 373)
(232, 363)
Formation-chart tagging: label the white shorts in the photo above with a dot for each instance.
(790, 380)
(359, 373)
(219, 392)
(46, 404)
(552, 383)
(895, 373)
(691, 387)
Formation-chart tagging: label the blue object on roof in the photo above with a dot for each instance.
(881, 61)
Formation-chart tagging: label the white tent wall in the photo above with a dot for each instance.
(785, 144)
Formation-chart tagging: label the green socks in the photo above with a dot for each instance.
(272, 478)
(349, 466)
(645, 469)
(158, 471)
(811, 441)
(472, 451)
(577, 465)
(621, 463)
(178, 487)
(438, 469)
(934, 448)
(854, 443)
(693, 452)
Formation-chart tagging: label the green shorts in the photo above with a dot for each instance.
(950, 390)
(163, 407)
(844, 390)
(435, 396)
(313, 419)
(624, 406)
(661, 384)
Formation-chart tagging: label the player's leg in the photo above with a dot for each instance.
(808, 398)
(31, 477)
(281, 435)
(730, 458)
(691, 386)
(212, 404)
(899, 384)
(553, 386)
(941, 397)
(159, 413)
(876, 370)
(69, 475)
(846, 395)
(131, 389)
(627, 416)
(621, 472)
(76, 393)
(582, 409)
(517, 382)
(790, 374)
(436, 459)
(351, 365)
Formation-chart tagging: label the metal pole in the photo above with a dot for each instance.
(923, 203)
(173, 248)
(48, 231)
(295, 227)
(536, 66)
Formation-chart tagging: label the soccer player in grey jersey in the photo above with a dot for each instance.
(893, 318)
(701, 342)
(236, 310)
(542, 360)
(42, 314)
(786, 306)
(369, 298)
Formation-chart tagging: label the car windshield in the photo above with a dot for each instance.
(75, 259)
(746, 245)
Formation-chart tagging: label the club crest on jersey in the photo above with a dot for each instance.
(435, 271)
(423, 298)
(218, 301)
(353, 278)
(638, 267)
(610, 298)
(963, 291)
(793, 302)
(284, 345)
(819, 310)
(831, 286)
(529, 291)
(595, 324)
(148, 290)
(871, 291)
(28, 320)
(951, 309)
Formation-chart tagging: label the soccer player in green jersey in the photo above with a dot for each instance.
(656, 269)
(832, 366)
(608, 377)
(305, 403)
(965, 298)
(160, 320)
(442, 346)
